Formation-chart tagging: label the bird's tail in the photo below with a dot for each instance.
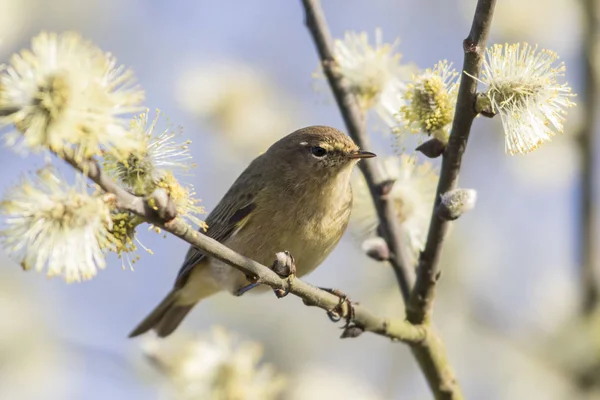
(165, 318)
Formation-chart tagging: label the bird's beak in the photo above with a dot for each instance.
(362, 154)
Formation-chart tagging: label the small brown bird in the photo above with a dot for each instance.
(295, 197)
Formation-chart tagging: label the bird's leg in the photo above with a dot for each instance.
(246, 288)
(254, 283)
(284, 266)
(339, 311)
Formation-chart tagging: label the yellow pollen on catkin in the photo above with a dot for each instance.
(183, 197)
(429, 105)
(429, 101)
(53, 96)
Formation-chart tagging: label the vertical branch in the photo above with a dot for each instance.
(587, 214)
(354, 119)
(421, 302)
(430, 352)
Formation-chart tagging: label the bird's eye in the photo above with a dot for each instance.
(318, 151)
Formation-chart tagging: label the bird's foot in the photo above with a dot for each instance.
(344, 309)
(284, 266)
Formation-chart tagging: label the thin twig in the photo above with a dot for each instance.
(430, 353)
(390, 229)
(420, 305)
(421, 302)
(397, 330)
(587, 213)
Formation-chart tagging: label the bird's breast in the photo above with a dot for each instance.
(309, 228)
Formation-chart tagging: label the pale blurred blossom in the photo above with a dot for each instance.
(216, 367)
(14, 17)
(32, 361)
(317, 382)
(94, 15)
(412, 193)
(17, 17)
(240, 103)
(548, 26)
(373, 72)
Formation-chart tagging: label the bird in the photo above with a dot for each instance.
(295, 197)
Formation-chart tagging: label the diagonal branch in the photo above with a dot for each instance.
(421, 301)
(430, 353)
(361, 318)
(390, 229)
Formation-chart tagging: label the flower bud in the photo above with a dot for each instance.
(455, 203)
(432, 148)
(483, 106)
(376, 248)
(352, 331)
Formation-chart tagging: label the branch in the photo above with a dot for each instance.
(421, 301)
(361, 318)
(587, 212)
(8, 111)
(390, 229)
(430, 353)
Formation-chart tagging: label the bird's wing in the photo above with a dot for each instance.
(225, 219)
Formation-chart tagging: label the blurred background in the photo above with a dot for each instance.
(237, 76)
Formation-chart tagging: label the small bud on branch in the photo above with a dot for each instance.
(483, 106)
(455, 203)
(376, 248)
(432, 148)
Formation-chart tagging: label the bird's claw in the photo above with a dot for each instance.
(284, 266)
(339, 311)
